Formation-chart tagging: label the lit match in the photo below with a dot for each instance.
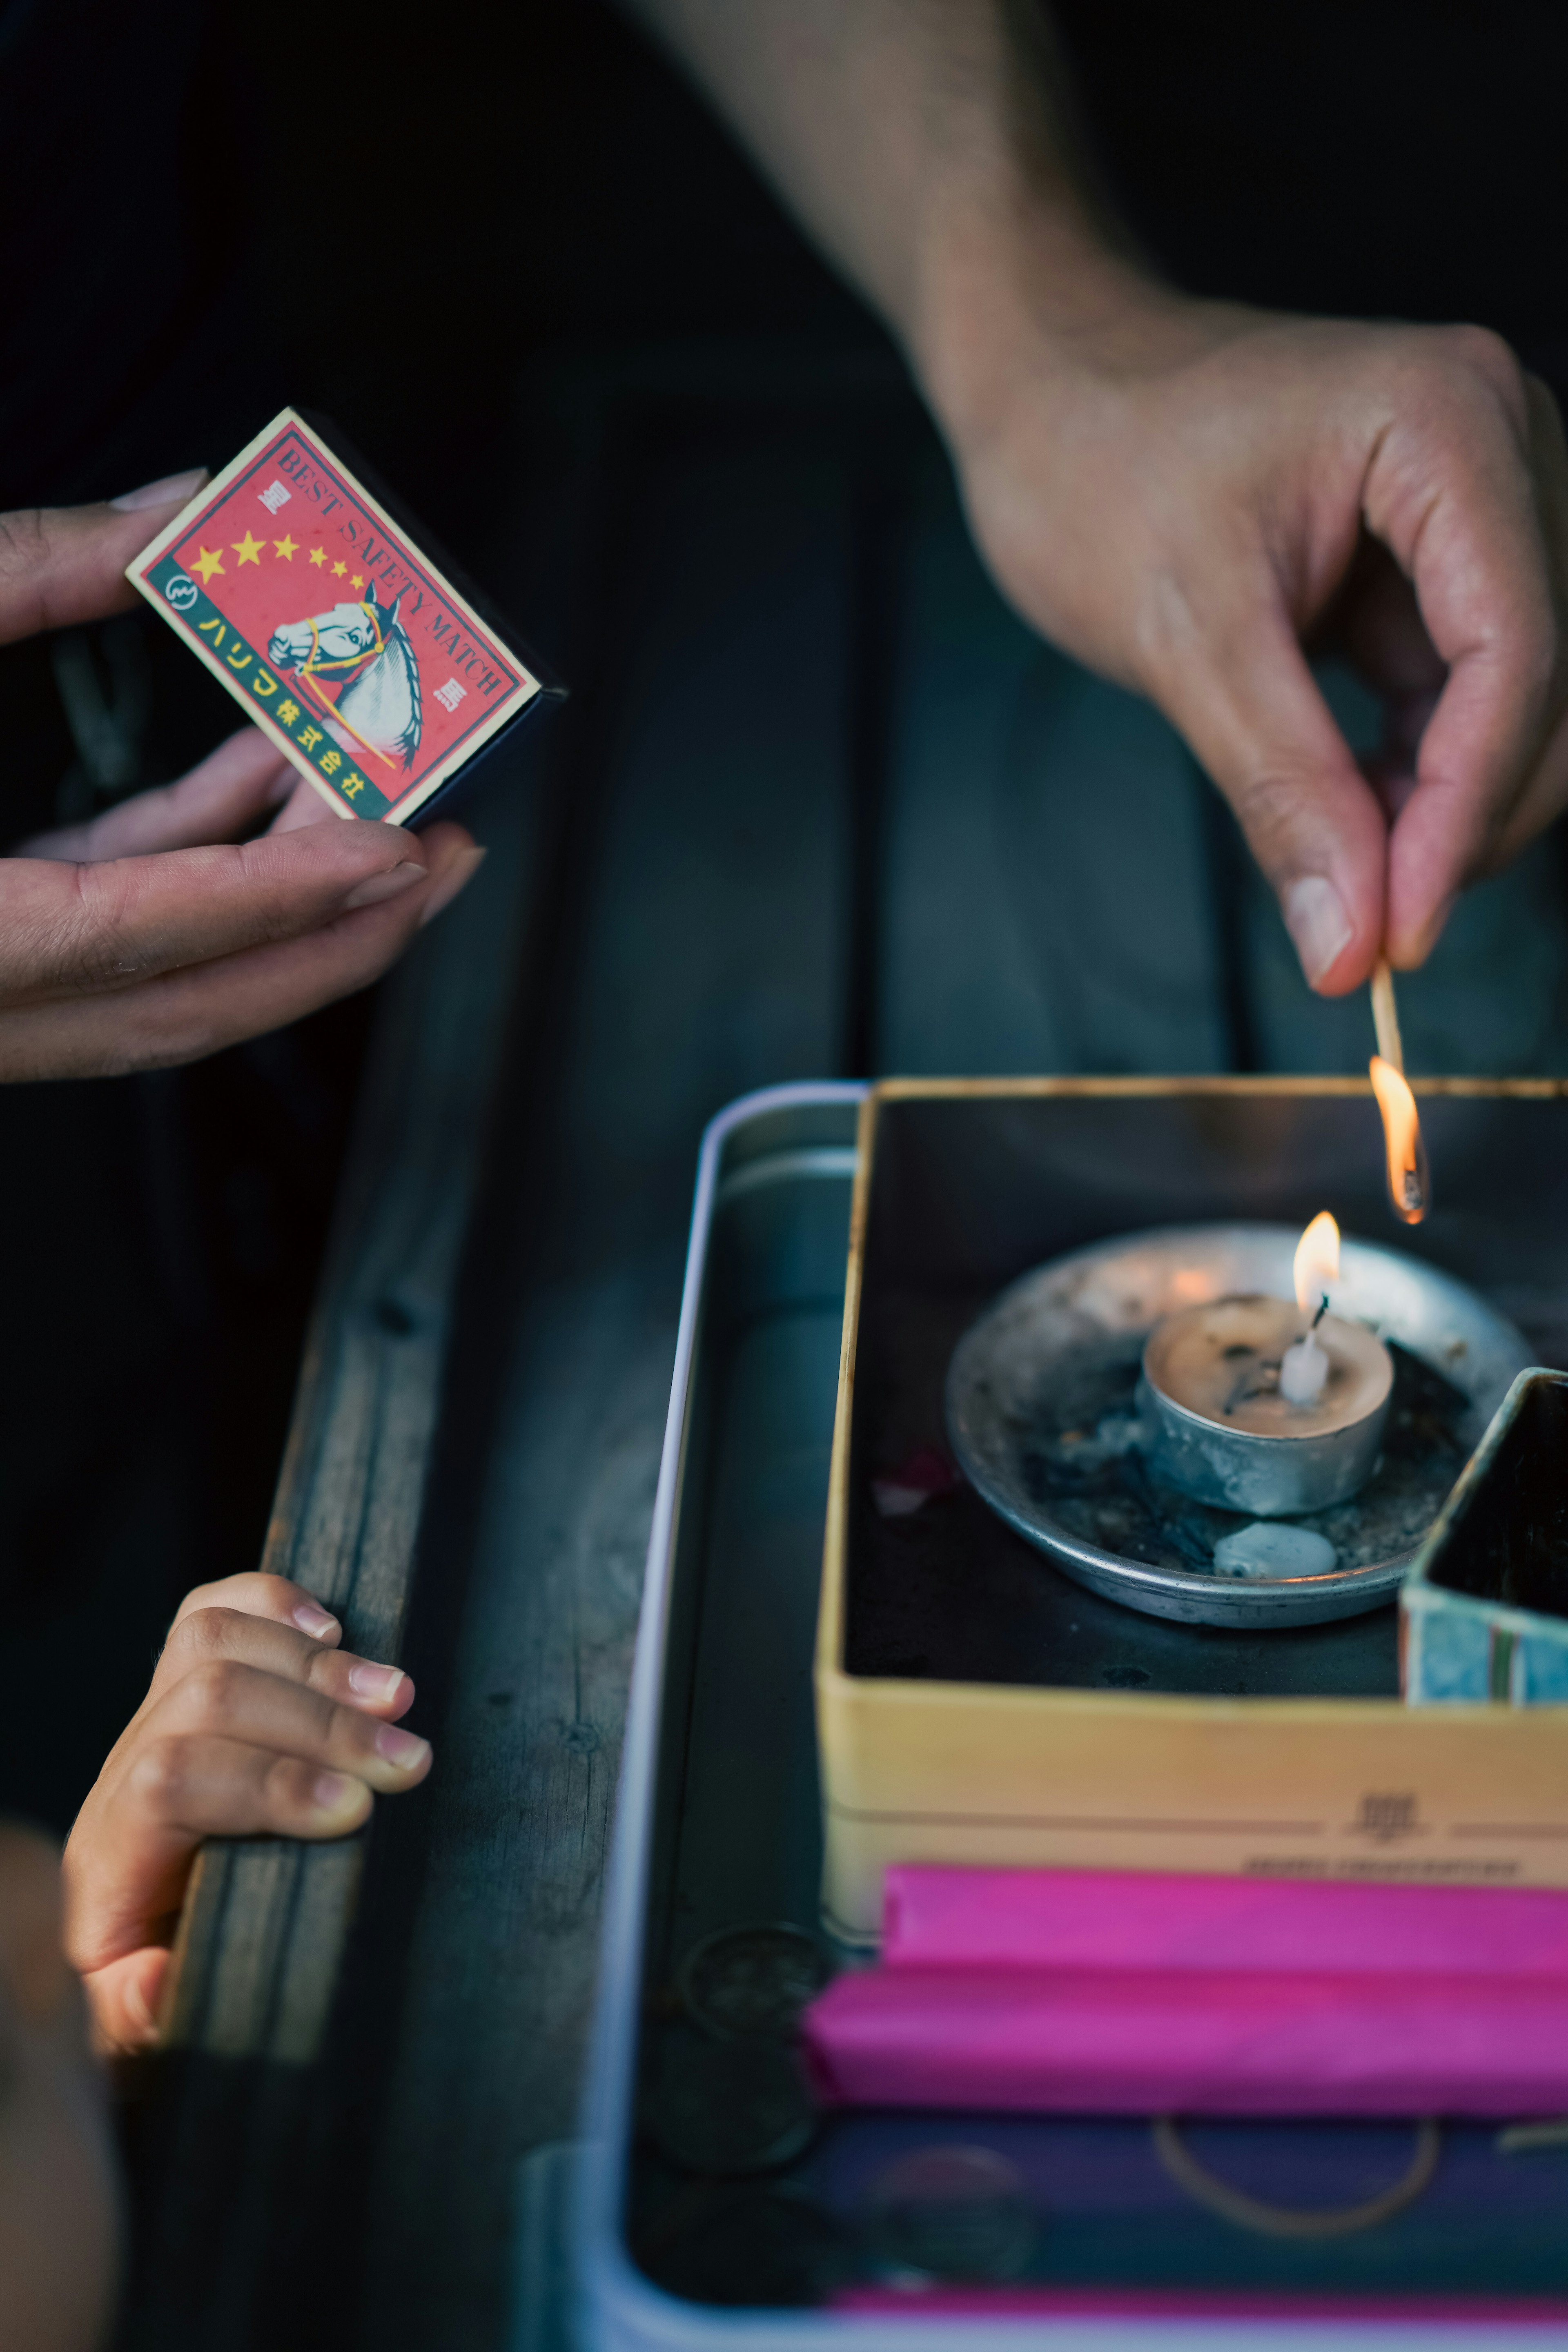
(1409, 1180)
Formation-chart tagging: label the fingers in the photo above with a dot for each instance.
(227, 1748)
(60, 564)
(259, 1595)
(1474, 510)
(1236, 685)
(74, 930)
(1544, 797)
(1178, 499)
(215, 1635)
(257, 1723)
(233, 788)
(128, 1860)
(124, 1997)
(181, 1015)
(321, 1717)
(1377, 623)
(1466, 486)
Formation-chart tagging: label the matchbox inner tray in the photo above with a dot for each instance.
(838, 2231)
(974, 1705)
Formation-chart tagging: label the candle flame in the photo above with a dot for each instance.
(1317, 1261)
(1408, 1187)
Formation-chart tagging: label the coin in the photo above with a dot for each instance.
(726, 2108)
(745, 2245)
(951, 2212)
(753, 1981)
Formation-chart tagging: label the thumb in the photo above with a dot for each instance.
(123, 1996)
(1259, 724)
(60, 564)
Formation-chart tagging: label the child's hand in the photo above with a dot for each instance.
(254, 1722)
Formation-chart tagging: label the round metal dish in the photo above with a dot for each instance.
(1063, 1343)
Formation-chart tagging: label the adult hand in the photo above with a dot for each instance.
(59, 2202)
(254, 1722)
(1186, 496)
(153, 935)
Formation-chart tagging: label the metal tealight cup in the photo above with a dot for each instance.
(1241, 1470)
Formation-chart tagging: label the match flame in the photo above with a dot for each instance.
(1317, 1262)
(1408, 1186)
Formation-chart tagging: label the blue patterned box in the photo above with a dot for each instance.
(1484, 1609)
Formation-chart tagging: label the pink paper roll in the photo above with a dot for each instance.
(1189, 2040)
(1140, 1919)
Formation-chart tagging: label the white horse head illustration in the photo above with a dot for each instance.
(362, 649)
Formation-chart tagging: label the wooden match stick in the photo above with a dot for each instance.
(1386, 1016)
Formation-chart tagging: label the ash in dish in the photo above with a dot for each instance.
(1079, 1456)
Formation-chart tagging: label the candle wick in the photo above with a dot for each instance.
(1319, 1316)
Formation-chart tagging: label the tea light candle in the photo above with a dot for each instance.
(1226, 1361)
(1262, 1404)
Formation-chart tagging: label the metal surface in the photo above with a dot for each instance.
(1256, 1478)
(1073, 1330)
(716, 1822)
(718, 1826)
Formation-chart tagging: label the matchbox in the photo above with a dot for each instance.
(370, 671)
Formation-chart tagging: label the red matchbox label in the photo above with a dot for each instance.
(368, 669)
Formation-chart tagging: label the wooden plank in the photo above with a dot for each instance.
(235, 2137)
(708, 956)
(266, 1920)
(685, 941)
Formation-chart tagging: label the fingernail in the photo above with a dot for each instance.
(1316, 919)
(334, 1791)
(389, 885)
(317, 1623)
(401, 1748)
(375, 1682)
(172, 491)
(462, 869)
